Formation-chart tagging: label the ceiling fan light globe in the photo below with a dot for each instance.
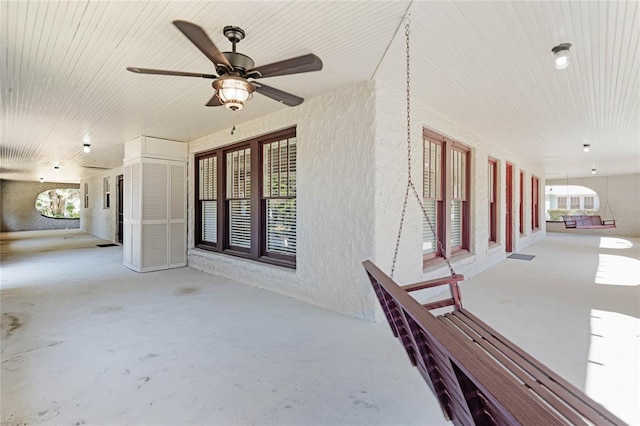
(233, 91)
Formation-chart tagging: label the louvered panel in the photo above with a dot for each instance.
(279, 168)
(154, 194)
(240, 223)
(127, 252)
(456, 223)
(127, 191)
(429, 227)
(135, 245)
(136, 190)
(154, 245)
(239, 173)
(210, 221)
(178, 249)
(178, 190)
(208, 178)
(281, 226)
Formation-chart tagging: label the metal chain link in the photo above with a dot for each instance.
(410, 184)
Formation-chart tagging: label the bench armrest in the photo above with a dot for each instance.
(432, 283)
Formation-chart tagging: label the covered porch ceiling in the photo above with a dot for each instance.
(485, 65)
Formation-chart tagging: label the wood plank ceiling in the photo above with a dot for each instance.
(486, 65)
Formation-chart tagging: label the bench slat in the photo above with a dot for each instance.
(571, 395)
(479, 376)
(528, 379)
(510, 401)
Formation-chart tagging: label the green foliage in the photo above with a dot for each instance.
(556, 214)
(59, 203)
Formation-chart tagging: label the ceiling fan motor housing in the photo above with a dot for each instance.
(239, 62)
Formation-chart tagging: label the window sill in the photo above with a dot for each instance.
(229, 255)
(438, 263)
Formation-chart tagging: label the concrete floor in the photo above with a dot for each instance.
(87, 341)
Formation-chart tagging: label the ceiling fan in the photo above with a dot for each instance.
(232, 85)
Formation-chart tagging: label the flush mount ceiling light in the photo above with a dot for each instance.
(86, 148)
(561, 56)
(233, 91)
(586, 147)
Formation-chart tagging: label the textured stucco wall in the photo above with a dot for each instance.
(335, 202)
(391, 179)
(352, 173)
(18, 206)
(623, 193)
(95, 219)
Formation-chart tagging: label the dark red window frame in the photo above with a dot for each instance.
(535, 199)
(493, 202)
(257, 250)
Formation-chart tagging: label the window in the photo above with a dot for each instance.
(279, 197)
(446, 196)
(207, 203)
(86, 195)
(562, 202)
(564, 199)
(535, 196)
(493, 189)
(238, 198)
(575, 203)
(589, 203)
(106, 193)
(246, 199)
(432, 197)
(459, 200)
(521, 203)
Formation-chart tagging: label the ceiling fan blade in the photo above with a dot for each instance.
(299, 64)
(214, 101)
(167, 72)
(202, 41)
(277, 94)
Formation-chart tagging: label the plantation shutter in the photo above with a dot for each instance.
(428, 237)
(575, 203)
(456, 223)
(279, 194)
(432, 194)
(589, 203)
(238, 197)
(458, 196)
(208, 198)
(562, 202)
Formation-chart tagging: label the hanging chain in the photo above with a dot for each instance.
(410, 184)
(406, 192)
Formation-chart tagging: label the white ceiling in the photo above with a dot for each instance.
(486, 65)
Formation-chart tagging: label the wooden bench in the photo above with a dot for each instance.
(587, 222)
(478, 375)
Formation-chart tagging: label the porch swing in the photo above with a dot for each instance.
(478, 376)
(591, 221)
